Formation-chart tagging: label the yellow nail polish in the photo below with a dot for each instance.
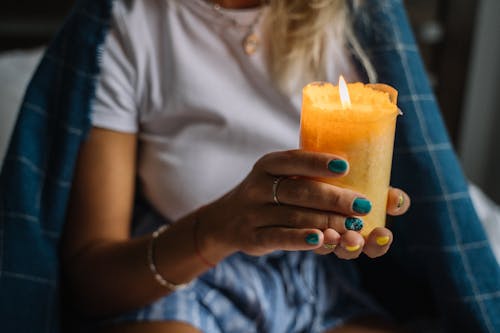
(353, 248)
(383, 240)
(401, 201)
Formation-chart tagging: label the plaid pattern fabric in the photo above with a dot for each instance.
(440, 244)
(36, 176)
(441, 264)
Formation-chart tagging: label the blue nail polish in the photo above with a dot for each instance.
(312, 239)
(362, 206)
(353, 223)
(337, 166)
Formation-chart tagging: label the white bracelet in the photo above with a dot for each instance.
(152, 266)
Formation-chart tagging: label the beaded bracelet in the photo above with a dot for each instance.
(152, 265)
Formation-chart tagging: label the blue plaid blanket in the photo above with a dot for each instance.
(441, 265)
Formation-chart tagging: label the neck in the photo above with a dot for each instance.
(238, 4)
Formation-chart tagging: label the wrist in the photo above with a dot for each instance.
(210, 244)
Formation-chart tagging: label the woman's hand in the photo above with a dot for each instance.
(309, 214)
(378, 241)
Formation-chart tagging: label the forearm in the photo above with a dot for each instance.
(110, 277)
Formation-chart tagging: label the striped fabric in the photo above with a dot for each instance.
(441, 265)
(279, 293)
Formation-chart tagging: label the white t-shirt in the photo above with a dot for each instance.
(175, 72)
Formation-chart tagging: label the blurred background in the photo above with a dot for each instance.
(459, 40)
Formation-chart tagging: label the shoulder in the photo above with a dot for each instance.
(143, 14)
(139, 12)
(141, 8)
(137, 24)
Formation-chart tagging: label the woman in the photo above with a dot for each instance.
(441, 258)
(199, 101)
(191, 94)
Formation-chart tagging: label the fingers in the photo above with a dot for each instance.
(302, 163)
(322, 196)
(398, 202)
(298, 213)
(331, 239)
(298, 235)
(268, 239)
(297, 217)
(334, 227)
(351, 245)
(378, 242)
(298, 189)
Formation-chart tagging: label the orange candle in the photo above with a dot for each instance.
(356, 122)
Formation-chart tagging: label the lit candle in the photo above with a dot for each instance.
(356, 122)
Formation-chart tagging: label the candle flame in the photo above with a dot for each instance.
(344, 93)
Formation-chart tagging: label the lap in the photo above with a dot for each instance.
(306, 292)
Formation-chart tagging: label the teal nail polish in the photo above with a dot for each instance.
(362, 206)
(312, 239)
(337, 166)
(353, 223)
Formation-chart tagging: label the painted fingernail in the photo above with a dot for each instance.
(312, 239)
(352, 248)
(362, 206)
(353, 223)
(401, 200)
(329, 246)
(337, 166)
(382, 240)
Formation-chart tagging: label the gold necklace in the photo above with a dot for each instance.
(251, 41)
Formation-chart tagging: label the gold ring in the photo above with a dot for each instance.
(276, 185)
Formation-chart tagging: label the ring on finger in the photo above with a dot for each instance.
(276, 185)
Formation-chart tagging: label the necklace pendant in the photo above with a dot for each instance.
(251, 43)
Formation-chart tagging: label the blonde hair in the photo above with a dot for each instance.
(297, 34)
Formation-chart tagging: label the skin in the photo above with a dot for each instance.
(101, 261)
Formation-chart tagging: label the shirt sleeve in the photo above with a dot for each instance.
(115, 106)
